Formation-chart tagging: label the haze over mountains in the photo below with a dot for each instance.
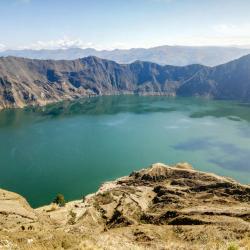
(164, 55)
(27, 82)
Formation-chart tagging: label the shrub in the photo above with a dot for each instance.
(72, 219)
(59, 200)
(83, 198)
(232, 247)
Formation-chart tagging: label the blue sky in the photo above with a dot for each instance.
(108, 24)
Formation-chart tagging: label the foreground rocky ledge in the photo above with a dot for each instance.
(161, 207)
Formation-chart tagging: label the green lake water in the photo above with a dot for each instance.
(73, 147)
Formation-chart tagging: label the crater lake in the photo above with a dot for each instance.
(73, 147)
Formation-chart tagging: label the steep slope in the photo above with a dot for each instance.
(161, 207)
(25, 81)
(227, 81)
(31, 82)
(171, 55)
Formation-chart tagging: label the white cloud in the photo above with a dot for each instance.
(2, 47)
(63, 43)
(212, 41)
(226, 35)
(232, 29)
(66, 43)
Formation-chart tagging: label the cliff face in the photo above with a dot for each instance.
(160, 207)
(38, 82)
(24, 81)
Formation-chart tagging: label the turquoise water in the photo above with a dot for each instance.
(72, 147)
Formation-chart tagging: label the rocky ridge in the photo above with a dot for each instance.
(160, 207)
(38, 82)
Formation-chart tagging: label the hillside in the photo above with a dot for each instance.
(227, 81)
(161, 207)
(38, 82)
(25, 81)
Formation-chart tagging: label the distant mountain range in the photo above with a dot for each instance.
(27, 82)
(164, 55)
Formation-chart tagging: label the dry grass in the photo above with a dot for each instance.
(183, 209)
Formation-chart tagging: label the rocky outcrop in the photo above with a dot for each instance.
(161, 207)
(38, 82)
(15, 206)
